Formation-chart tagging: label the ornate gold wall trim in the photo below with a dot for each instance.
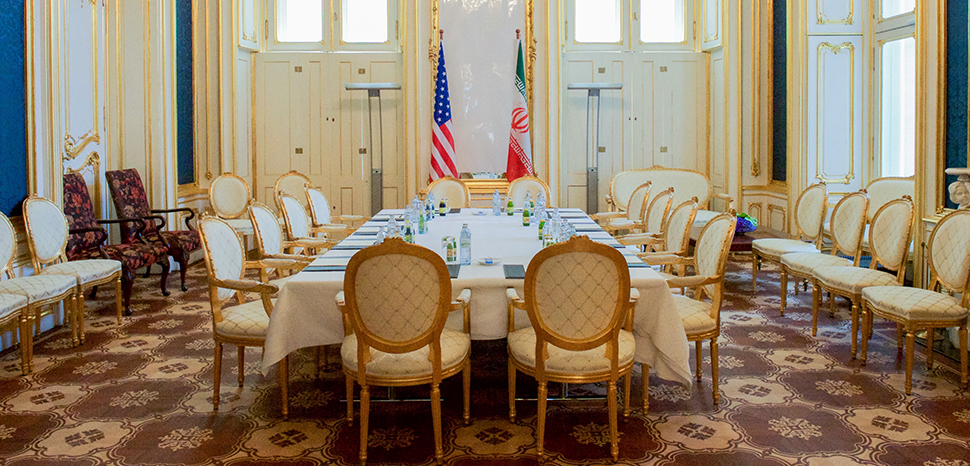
(73, 146)
(821, 19)
(819, 169)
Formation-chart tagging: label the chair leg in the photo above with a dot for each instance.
(148, 271)
(24, 338)
(127, 283)
(511, 391)
(831, 305)
(436, 421)
(541, 418)
(697, 359)
(241, 355)
(120, 301)
(784, 291)
(180, 256)
(285, 386)
(963, 354)
(930, 336)
(645, 379)
(364, 418)
(626, 393)
(467, 392)
(216, 376)
(899, 335)
(816, 303)
(350, 398)
(910, 347)
(611, 401)
(163, 282)
(866, 332)
(754, 272)
(717, 395)
(855, 326)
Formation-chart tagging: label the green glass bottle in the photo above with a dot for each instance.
(525, 215)
(509, 207)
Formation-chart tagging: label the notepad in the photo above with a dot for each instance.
(514, 271)
(453, 270)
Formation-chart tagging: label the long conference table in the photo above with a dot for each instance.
(306, 313)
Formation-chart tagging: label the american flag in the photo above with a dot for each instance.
(442, 142)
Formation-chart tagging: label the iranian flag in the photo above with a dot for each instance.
(520, 147)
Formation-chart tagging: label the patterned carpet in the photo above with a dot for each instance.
(140, 393)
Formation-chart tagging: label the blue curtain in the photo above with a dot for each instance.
(13, 107)
(183, 96)
(956, 88)
(779, 150)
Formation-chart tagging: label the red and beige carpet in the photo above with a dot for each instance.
(140, 393)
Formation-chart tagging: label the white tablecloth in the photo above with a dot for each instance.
(306, 313)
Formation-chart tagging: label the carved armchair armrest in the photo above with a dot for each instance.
(728, 199)
(463, 303)
(190, 211)
(692, 281)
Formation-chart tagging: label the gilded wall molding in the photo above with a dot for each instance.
(821, 19)
(73, 146)
(823, 48)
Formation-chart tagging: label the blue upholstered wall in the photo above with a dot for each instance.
(13, 109)
(183, 84)
(779, 150)
(956, 87)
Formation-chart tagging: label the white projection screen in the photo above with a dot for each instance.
(480, 48)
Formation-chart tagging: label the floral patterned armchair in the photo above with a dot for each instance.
(87, 239)
(130, 200)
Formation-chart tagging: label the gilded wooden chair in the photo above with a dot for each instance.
(889, 238)
(14, 319)
(948, 254)
(630, 219)
(675, 239)
(654, 217)
(269, 240)
(577, 295)
(229, 198)
(519, 187)
(298, 228)
(702, 318)
(47, 235)
(810, 211)
(452, 188)
(321, 219)
(244, 324)
(293, 183)
(131, 200)
(396, 299)
(848, 224)
(40, 290)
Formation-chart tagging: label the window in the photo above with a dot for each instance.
(662, 21)
(892, 8)
(898, 107)
(352, 25)
(653, 25)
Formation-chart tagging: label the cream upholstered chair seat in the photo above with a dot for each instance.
(522, 344)
(247, 320)
(778, 247)
(10, 303)
(455, 349)
(806, 262)
(39, 287)
(913, 303)
(852, 279)
(85, 271)
(243, 225)
(633, 216)
(695, 314)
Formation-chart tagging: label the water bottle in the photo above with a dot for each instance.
(496, 203)
(509, 206)
(541, 218)
(381, 234)
(432, 207)
(392, 228)
(541, 204)
(465, 246)
(528, 200)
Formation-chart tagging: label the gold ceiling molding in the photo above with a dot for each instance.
(821, 19)
(819, 172)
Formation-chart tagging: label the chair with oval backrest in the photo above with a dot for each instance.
(298, 228)
(702, 318)
(810, 212)
(131, 200)
(519, 187)
(848, 224)
(381, 284)
(321, 219)
(889, 238)
(293, 183)
(654, 217)
(244, 324)
(577, 295)
(47, 235)
(948, 255)
(269, 239)
(675, 239)
(453, 189)
(229, 198)
(39, 290)
(632, 217)
(87, 240)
